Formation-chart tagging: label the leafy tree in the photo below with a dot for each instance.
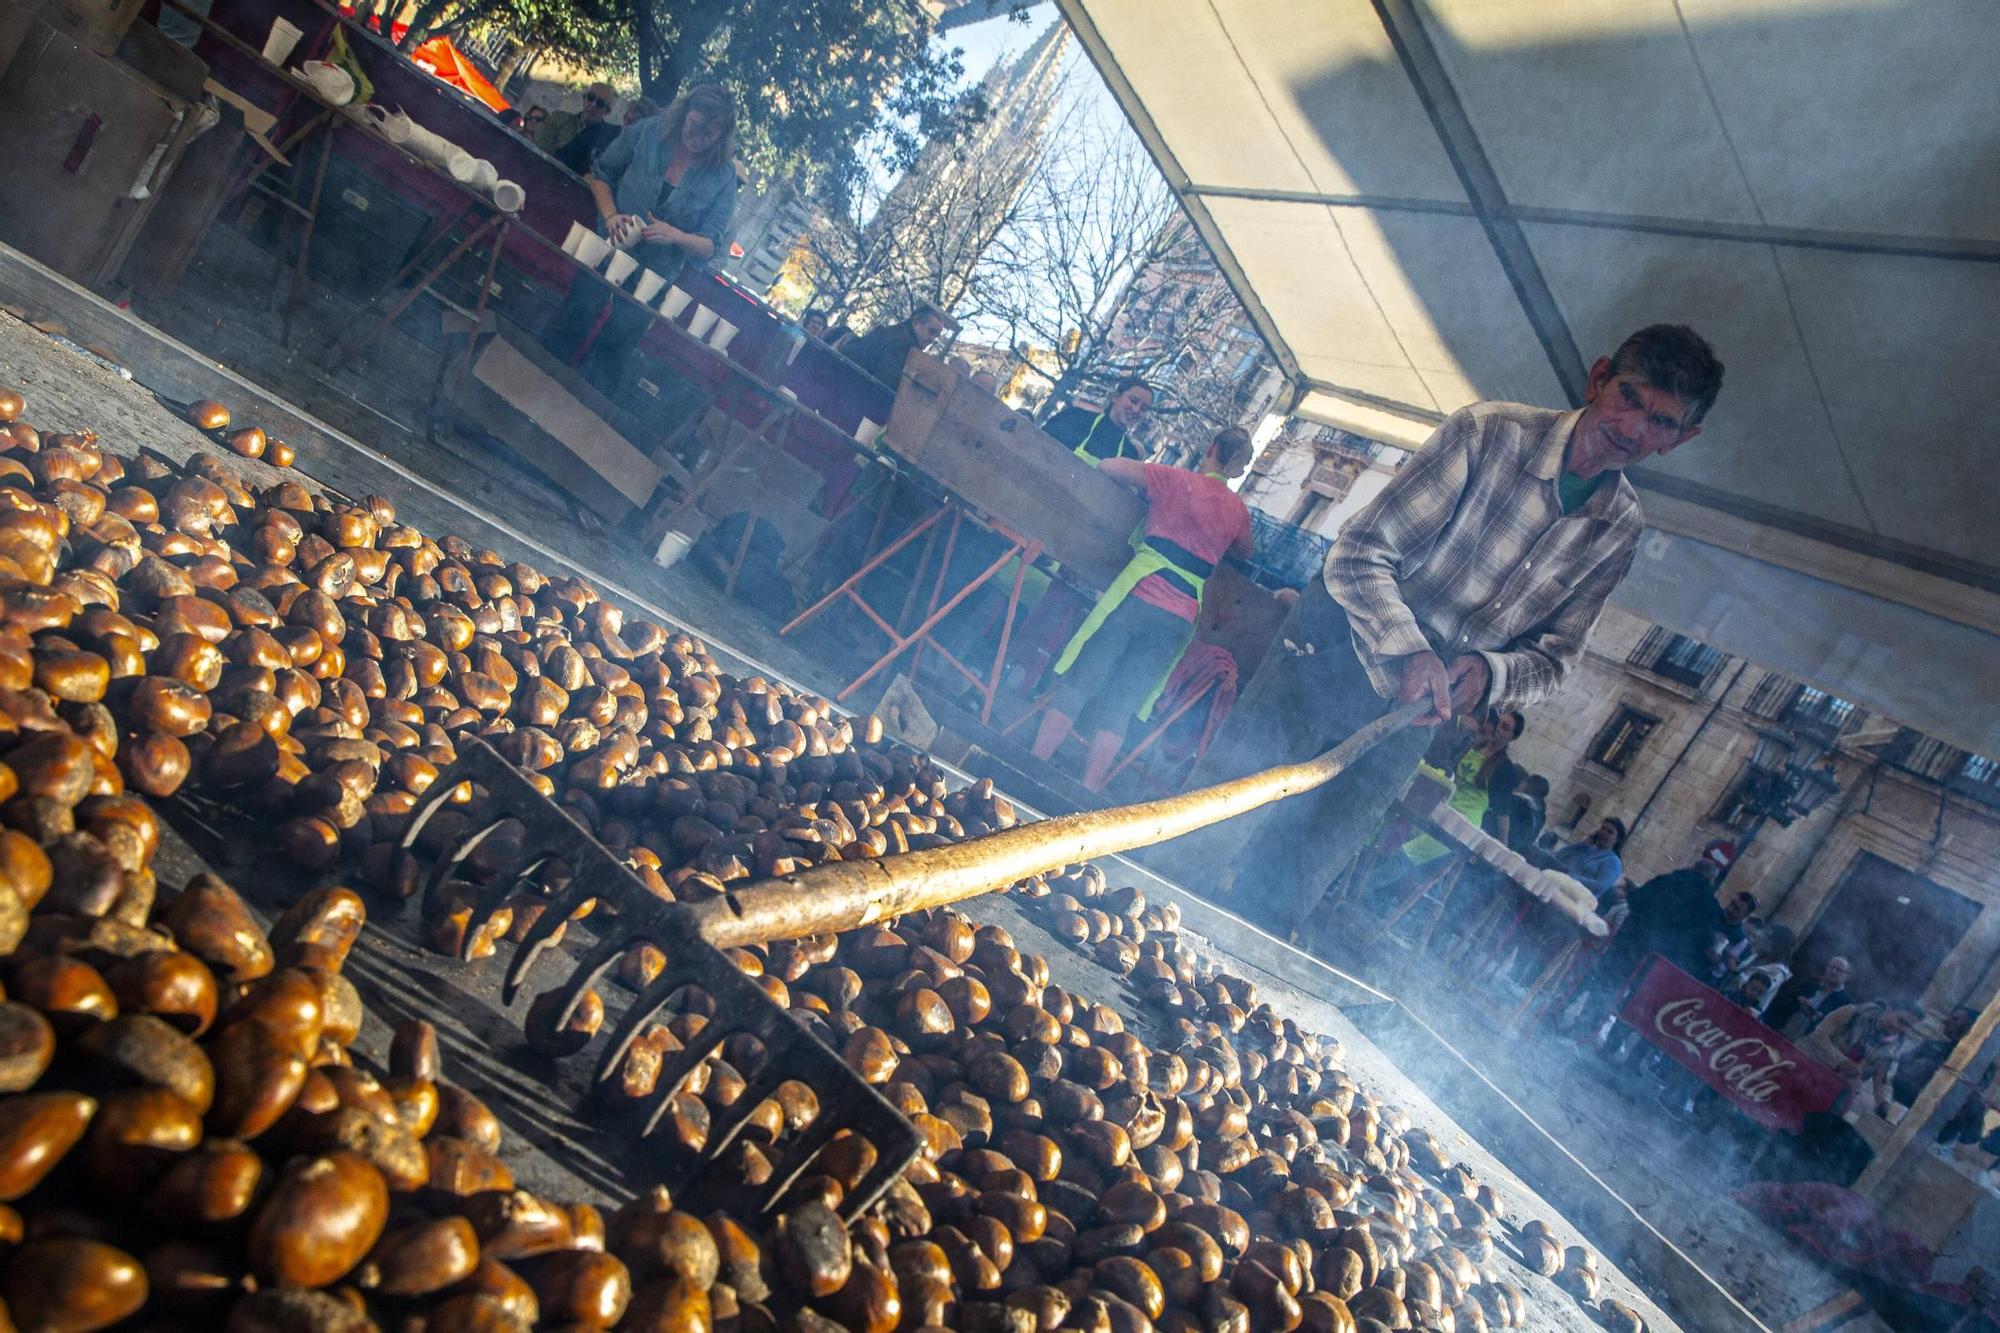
(812, 79)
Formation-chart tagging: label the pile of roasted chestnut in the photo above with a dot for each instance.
(185, 1141)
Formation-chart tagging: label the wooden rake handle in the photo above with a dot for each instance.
(843, 895)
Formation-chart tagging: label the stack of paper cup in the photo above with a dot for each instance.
(674, 302)
(622, 267)
(702, 321)
(278, 46)
(724, 331)
(509, 196)
(649, 286)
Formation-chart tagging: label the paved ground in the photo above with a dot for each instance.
(1676, 1179)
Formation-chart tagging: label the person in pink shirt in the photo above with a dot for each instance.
(1120, 657)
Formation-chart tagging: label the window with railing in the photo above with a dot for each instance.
(1790, 703)
(1621, 740)
(1978, 777)
(1678, 658)
(1811, 707)
(1923, 756)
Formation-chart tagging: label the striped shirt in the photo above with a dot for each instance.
(1468, 550)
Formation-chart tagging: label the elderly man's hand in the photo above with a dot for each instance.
(1424, 678)
(1470, 679)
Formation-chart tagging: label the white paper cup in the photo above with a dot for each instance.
(702, 321)
(509, 196)
(573, 243)
(723, 333)
(278, 46)
(593, 249)
(649, 286)
(622, 266)
(867, 430)
(674, 302)
(463, 166)
(484, 174)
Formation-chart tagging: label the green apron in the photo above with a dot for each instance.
(1082, 449)
(1467, 798)
(1146, 561)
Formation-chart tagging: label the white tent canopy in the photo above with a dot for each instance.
(1425, 204)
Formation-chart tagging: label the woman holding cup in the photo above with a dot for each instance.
(665, 189)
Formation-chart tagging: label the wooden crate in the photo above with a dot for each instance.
(974, 445)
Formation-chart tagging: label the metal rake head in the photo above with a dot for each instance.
(518, 840)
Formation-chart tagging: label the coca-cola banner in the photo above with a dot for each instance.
(1768, 1078)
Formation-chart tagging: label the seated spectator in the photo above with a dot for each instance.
(1803, 1001)
(814, 323)
(1106, 433)
(1769, 966)
(1594, 862)
(1928, 1051)
(574, 138)
(1864, 1044)
(1726, 944)
(1118, 661)
(535, 117)
(1517, 818)
(639, 109)
(882, 350)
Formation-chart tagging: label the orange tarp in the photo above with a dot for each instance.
(441, 58)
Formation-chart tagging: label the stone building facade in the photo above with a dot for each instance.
(1899, 870)
(1314, 476)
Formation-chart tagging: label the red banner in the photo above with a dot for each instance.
(1769, 1079)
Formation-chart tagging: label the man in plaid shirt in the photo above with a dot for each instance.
(1471, 582)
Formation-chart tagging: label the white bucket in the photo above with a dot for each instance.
(284, 36)
(702, 321)
(674, 302)
(673, 547)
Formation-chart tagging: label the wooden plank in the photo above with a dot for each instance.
(582, 432)
(1239, 616)
(973, 444)
(480, 408)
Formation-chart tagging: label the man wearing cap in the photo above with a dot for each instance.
(883, 349)
(1472, 581)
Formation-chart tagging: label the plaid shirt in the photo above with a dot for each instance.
(1468, 550)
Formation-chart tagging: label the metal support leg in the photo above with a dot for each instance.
(349, 352)
(297, 292)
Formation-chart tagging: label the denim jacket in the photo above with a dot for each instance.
(634, 165)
